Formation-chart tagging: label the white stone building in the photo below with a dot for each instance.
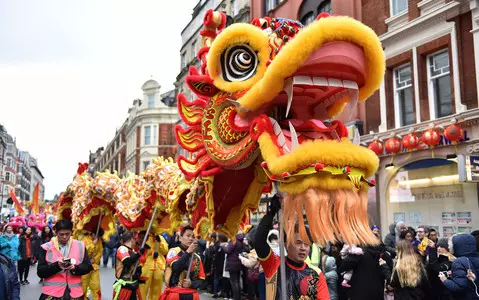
(146, 134)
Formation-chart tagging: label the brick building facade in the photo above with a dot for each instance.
(430, 83)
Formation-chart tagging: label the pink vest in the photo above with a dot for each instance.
(55, 285)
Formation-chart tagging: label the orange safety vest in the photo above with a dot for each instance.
(56, 285)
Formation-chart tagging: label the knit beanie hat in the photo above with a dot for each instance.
(443, 243)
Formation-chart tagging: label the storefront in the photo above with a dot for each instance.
(422, 186)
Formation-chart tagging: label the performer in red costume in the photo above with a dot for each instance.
(302, 281)
(179, 286)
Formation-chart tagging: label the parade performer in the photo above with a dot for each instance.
(61, 264)
(93, 213)
(153, 266)
(268, 93)
(181, 261)
(126, 286)
(94, 247)
(302, 281)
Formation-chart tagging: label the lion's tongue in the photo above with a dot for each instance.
(309, 125)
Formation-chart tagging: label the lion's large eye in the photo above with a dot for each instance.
(238, 63)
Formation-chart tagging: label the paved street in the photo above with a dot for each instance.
(32, 291)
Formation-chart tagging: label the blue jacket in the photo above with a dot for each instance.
(10, 278)
(9, 247)
(464, 246)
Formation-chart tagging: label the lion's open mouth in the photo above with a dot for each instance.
(299, 113)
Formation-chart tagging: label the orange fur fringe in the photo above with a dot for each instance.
(333, 215)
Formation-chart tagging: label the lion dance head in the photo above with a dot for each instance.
(267, 97)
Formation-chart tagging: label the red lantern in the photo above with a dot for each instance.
(393, 145)
(376, 147)
(453, 133)
(431, 137)
(410, 141)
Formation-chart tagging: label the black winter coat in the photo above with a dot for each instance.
(23, 247)
(438, 263)
(368, 279)
(421, 292)
(219, 261)
(233, 263)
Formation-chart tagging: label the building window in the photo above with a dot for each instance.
(325, 6)
(308, 18)
(147, 135)
(151, 101)
(440, 84)
(155, 135)
(183, 60)
(7, 176)
(146, 163)
(271, 4)
(194, 50)
(404, 95)
(10, 148)
(398, 6)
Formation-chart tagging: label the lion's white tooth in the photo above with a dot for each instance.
(348, 84)
(353, 102)
(289, 91)
(335, 82)
(276, 127)
(320, 81)
(286, 149)
(281, 139)
(303, 80)
(294, 137)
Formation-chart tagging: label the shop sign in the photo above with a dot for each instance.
(473, 148)
(468, 168)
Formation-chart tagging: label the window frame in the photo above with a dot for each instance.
(310, 16)
(391, 10)
(398, 113)
(269, 5)
(183, 60)
(430, 84)
(155, 135)
(146, 163)
(145, 136)
(325, 3)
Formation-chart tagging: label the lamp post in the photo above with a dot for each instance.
(2, 181)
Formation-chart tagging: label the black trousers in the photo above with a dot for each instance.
(235, 284)
(24, 268)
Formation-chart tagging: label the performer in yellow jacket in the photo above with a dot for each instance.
(94, 247)
(153, 266)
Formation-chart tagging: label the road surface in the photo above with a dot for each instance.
(107, 277)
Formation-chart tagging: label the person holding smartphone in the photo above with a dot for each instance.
(61, 263)
(181, 261)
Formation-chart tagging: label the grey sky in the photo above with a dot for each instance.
(69, 71)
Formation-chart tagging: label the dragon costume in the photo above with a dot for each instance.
(267, 94)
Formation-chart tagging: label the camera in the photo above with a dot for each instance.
(445, 273)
